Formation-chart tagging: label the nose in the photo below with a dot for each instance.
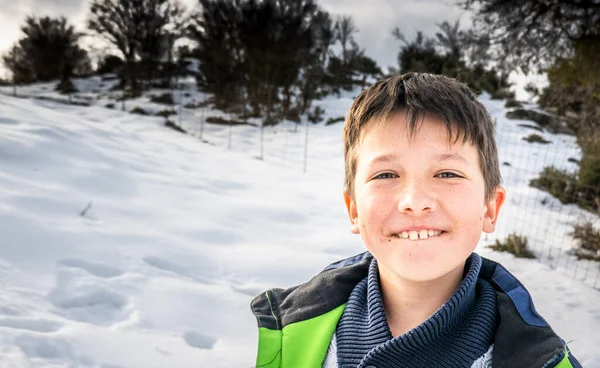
(416, 198)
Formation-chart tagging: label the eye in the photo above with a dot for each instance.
(448, 175)
(385, 176)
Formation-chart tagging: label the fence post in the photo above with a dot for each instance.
(202, 119)
(306, 145)
(230, 131)
(123, 99)
(262, 134)
(180, 102)
(287, 131)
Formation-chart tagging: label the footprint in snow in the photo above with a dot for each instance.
(88, 299)
(170, 266)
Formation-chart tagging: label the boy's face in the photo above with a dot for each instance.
(427, 188)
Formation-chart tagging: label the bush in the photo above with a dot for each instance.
(513, 103)
(587, 235)
(514, 244)
(166, 113)
(138, 110)
(532, 127)
(589, 171)
(110, 106)
(222, 121)
(316, 115)
(335, 120)
(502, 94)
(546, 121)
(559, 183)
(293, 114)
(588, 241)
(165, 98)
(65, 87)
(536, 138)
(542, 120)
(170, 124)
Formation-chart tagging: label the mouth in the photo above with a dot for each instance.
(419, 235)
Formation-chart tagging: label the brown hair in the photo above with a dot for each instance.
(419, 94)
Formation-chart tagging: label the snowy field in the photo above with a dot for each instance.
(127, 244)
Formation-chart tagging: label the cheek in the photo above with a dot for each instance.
(375, 207)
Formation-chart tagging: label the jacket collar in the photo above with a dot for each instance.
(519, 324)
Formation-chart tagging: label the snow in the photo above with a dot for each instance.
(180, 233)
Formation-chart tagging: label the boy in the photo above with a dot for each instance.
(422, 181)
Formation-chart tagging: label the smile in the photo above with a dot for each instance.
(418, 235)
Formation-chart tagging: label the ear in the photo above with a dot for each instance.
(352, 213)
(492, 210)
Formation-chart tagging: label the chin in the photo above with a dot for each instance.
(421, 267)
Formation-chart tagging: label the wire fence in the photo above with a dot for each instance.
(525, 151)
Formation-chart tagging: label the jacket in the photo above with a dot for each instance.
(296, 325)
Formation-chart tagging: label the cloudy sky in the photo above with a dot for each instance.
(374, 19)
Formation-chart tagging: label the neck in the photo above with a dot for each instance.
(409, 303)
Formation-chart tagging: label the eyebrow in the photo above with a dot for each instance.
(451, 157)
(439, 157)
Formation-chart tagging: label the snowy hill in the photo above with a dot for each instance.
(127, 244)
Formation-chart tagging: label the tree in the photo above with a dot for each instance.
(49, 50)
(453, 53)
(138, 29)
(419, 55)
(110, 64)
(116, 22)
(261, 46)
(345, 30)
(153, 38)
(215, 29)
(534, 33)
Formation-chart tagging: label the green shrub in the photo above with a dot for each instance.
(531, 127)
(510, 103)
(335, 120)
(536, 138)
(293, 114)
(316, 115)
(589, 166)
(541, 119)
(165, 98)
(138, 110)
(166, 113)
(514, 244)
(170, 124)
(222, 121)
(66, 87)
(588, 241)
(559, 183)
(502, 93)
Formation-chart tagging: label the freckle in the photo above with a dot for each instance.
(389, 240)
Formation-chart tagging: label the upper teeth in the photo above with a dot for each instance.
(421, 234)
